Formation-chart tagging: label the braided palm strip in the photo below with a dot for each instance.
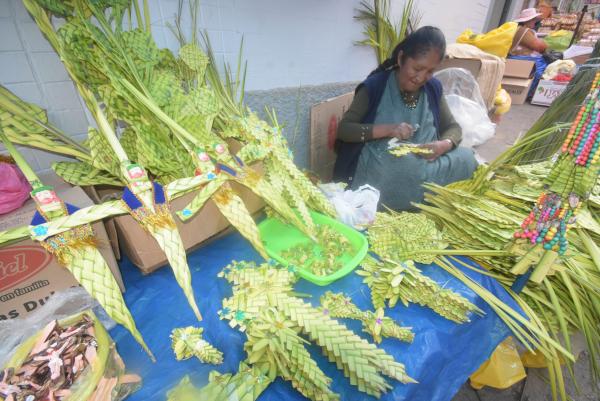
(13, 234)
(246, 385)
(170, 242)
(79, 173)
(82, 216)
(443, 301)
(271, 339)
(389, 328)
(201, 198)
(284, 186)
(182, 186)
(89, 268)
(272, 196)
(310, 193)
(337, 305)
(187, 342)
(235, 211)
(361, 361)
(252, 287)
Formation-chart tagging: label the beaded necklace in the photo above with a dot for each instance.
(411, 100)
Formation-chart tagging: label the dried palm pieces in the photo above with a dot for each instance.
(399, 148)
(323, 257)
(72, 360)
(264, 307)
(187, 342)
(376, 324)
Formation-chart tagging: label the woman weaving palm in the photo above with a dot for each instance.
(400, 99)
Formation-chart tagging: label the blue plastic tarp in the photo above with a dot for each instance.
(441, 358)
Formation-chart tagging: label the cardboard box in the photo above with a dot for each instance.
(470, 64)
(517, 89)
(28, 274)
(324, 119)
(547, 91)
(143, 250)
(517, 79)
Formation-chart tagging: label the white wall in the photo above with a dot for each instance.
(454, 16)
(30, 69)
(287, 43)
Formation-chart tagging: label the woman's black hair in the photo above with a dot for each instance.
(417, 43)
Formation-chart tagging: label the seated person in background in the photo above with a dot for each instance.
(525, 42)
(400, 99)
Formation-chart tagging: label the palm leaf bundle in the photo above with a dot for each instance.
(481, 216)
(563, 109)
(382, 34)
(169, 116)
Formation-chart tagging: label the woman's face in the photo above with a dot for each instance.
(414, 72)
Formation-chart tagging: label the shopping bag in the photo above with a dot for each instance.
(502, 370)
(497, 41)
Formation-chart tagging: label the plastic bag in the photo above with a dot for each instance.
(559, 40)
(459, 81)
(558, 67)
(467, 106)
(14, 188)
(502, 370)
(497, 41)
(354, 208)
(502, 101)
(476, 125)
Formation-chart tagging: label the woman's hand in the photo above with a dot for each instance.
(438, 148)
(402, 131)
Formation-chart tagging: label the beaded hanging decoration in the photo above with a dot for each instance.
(571, 180)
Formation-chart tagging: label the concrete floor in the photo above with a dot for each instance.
(512, 125)
(535, 386)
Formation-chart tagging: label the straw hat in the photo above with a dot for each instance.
(527, 15)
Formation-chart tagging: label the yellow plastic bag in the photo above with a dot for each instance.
(497, 41)
(502, 101)
(502, 370)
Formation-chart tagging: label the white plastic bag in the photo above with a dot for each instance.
(467, 106)
(477, 128)
(354, 208)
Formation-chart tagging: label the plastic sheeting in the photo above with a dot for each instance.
(441, 358)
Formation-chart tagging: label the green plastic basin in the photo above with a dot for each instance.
(278, 237)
